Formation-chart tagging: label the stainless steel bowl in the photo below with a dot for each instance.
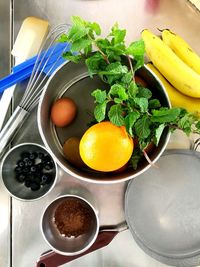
(19, 190)
(68, 245)
(72, 80)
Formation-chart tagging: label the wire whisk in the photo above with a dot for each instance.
(49, 57)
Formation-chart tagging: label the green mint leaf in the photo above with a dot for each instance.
(114, 68)
(136, 48)
(114, 52)
(197, 125)
(112, 79)
(132, 89)
(143, 143)
(165, 115)
(72, 57)
(144, 92)
(100, 111)
(102, 43)
(130, 120)
(94, 27)
(158, 133)
(88, 50)
(115, 115)
(186, 122)
(118, 34)
(154, 103)
(80, 44)
(142, 127)
(117, 100)
(63, 38)
(76, 32)
(94, 63)
(100, 96)
(127, 78)
(142, 103)
(138, 62)
(135, 158)
(118, 90)
(78, 21)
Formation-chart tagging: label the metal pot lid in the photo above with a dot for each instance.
(162, 208)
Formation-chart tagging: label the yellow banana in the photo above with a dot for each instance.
(182, 49)
(177, 99)
(179, 74)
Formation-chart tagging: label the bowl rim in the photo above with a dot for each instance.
(9, 152)
(96, 218)
(95, 180)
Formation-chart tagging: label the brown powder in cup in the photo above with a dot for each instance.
(73, 217)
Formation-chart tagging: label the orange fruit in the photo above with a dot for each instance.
(106, 147)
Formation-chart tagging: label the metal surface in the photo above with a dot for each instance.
(73, 81)
(11, 127)
(6, 37)
(135, 15)
(5, 42)
(167, 200)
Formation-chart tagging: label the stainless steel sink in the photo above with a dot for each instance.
(21, 246)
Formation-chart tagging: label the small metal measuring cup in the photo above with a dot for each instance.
(68, 246)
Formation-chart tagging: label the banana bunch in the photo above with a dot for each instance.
(177, 99)
(177, 66)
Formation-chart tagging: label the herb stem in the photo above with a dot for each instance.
(102, 53)
(99, 49)
(131, 67)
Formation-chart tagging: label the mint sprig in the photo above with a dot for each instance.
(125, 103)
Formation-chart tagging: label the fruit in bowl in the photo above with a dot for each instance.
(112, 87)
(103, 141)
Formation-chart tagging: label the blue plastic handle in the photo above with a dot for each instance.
(24, 70)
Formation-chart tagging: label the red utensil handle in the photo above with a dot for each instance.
(53, 259)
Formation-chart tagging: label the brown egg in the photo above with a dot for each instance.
(63, 111)
(71, 151)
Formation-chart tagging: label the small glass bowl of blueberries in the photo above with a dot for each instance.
(28, 171)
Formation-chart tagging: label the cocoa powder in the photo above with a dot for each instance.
(73, 217)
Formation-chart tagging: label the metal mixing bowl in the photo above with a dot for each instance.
(68, 245)
(14, 187)
(72, 80)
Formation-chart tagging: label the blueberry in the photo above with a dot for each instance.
(30, 163)
(20, 177)
(46, 158)
(39, 166)
(33, 155)
(34, 186)
(27, 182)
(46, 179)
(18, 169)
(37, 179)
(40, 155)
(30, 176)
(33, 169)
(48, 165)
(25, 154)
(26, 159)
(20, 163)
(26, 169)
